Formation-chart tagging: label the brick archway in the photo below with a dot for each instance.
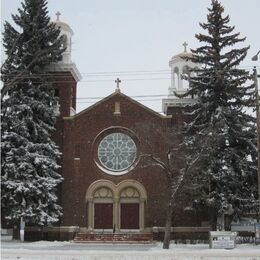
(126, 192)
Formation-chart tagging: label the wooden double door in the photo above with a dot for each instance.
(104, 218)
(129, 215)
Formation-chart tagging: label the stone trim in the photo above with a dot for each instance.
(116, 190)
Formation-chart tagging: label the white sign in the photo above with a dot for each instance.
(222, 240)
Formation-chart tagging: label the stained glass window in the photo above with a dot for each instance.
(117, 152)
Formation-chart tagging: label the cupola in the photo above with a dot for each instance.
(180, 67)
(66, 73)
(67, 34)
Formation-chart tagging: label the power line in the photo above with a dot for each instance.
(140, 100)
(108, 80)
(98, 80)
(140, 96)
(137, 98)
(112, 73)
(145, 71)
(23, 75)
(107, 73)
(103, 73)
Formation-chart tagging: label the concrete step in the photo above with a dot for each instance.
(117, 237)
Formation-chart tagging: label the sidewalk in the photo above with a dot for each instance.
(45, 250)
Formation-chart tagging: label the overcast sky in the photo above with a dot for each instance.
(133, 36)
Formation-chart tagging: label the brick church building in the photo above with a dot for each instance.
(108, 185)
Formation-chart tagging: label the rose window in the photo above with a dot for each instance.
(117, 152)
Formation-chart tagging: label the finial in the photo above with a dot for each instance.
(117, 81)
(58, 16)
(185, 44)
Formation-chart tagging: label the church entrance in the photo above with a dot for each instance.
(116, 207)
(103, 216)
(129, 215)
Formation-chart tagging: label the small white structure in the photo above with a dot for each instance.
(66, 63)
(67, 34)
(222, 239)
(65, 67)
(179, 79)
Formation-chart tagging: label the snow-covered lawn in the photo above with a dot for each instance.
(44, 250)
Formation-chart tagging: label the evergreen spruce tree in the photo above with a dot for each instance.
(29, 169)
(221, 133)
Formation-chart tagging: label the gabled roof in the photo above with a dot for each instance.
(118, 93)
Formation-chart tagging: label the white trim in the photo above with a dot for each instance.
(71, 67)
(176, 102)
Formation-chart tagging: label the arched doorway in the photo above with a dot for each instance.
(103, 208)
(129, 208)
(117, 207)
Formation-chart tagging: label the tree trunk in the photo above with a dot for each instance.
(228, 220)
(220, 222)
(213, 220)
(168, 224)
(16, 230)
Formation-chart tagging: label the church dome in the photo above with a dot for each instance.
(182, 55)
(64, 26)
(180, 58)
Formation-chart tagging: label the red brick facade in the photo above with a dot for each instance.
(79, 136)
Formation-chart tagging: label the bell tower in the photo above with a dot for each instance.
(66, 74)
(179, 80)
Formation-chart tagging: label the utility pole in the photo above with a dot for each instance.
(258, 130)
(257, 225)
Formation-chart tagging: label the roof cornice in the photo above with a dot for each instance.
(60, 67)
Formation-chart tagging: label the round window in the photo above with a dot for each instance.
(117, 152)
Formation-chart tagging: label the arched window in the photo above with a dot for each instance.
(64, 43)
(175, 78)
(185, 78)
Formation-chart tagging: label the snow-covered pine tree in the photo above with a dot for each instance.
(221, 133)
(29, 169)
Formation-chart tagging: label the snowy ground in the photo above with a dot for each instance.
(44, 250)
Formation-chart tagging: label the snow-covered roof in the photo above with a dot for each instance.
(64, 26)
(180, 57)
